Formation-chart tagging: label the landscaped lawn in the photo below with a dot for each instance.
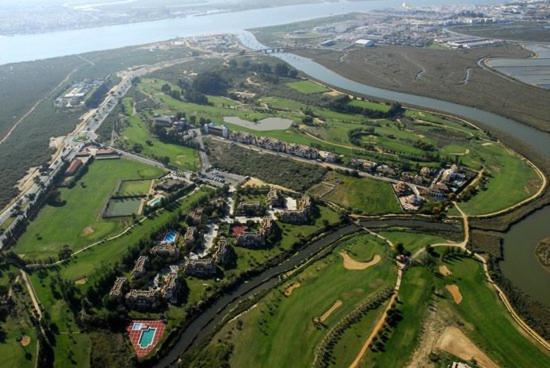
(78, 222)
(134, 187)
(362, 195)
(307, 87)
(278, 320)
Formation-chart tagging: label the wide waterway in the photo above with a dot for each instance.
(47, 45)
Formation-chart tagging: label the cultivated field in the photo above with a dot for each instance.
(360, 195)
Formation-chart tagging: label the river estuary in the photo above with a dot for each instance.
(520, 266)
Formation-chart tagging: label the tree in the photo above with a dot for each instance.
(210, 83)
(166, 88)
(65, 252)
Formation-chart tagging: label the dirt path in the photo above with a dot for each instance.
(352, 264)
(32, 294)
(455, 342)
(379, 324)
(444, 270)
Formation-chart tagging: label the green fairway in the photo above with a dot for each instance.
(510, 180)
(488, 323)
(16, 324)
(278, 319)
(411, 240)
(78, 222)
(361, 195)
(307, 87)
(377, 106)
(72, 345)
(414, 296)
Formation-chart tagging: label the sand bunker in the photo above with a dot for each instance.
(454, 341)
(88, 231)
(351, 264)
(444, 270)
(81, 281)
(290, 288)
(337, 304)
(25, 341)
(455, 292)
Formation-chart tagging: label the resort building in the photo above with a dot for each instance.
(250, 209)
(301, 214)
(143, 299)
(139, 267)
(275, 199)
(219, 130)
(119, 287)
(200, 268)
(165, 250)
(224, 255)
(170, 288)
(257, 239)
(190, 236)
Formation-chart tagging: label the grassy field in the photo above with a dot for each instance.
(72, 344)
(307, 87)
(136, 132)
(134, 187)
(85, 264)
(360, 195)
(78, 222)
(278, 319)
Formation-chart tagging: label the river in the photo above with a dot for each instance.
(54, 44)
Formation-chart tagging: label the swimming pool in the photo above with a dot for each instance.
(147, 337)
(170, 237)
